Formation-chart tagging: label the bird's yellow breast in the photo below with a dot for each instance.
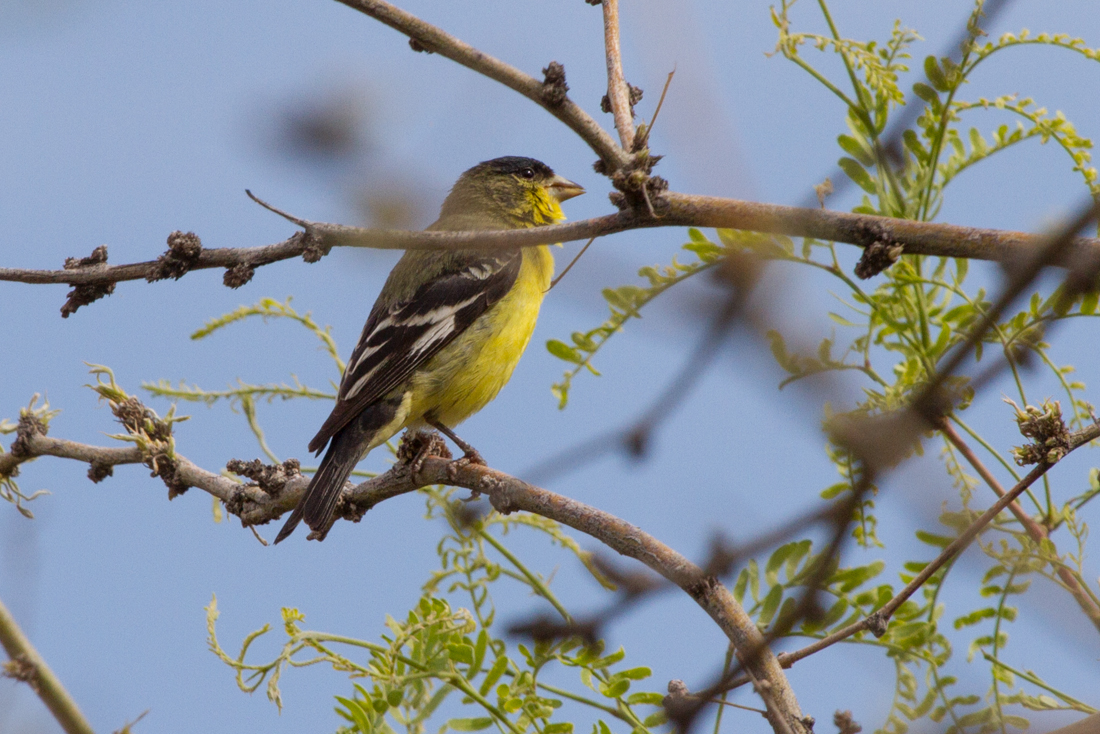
(470, 371)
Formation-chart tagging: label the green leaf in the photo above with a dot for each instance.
(858, 174)
(643, 697)
(914, 145)
(561, 350)
(939, 541)
(771, 568)
(461, 653)
(770, 605)
(357, 714)
(615, 689)
(926, 93)
(609, 660)
(561, 727)
(975, 617)
(479, 654)
(936, 74)
(640, 673)
(852, 578)
(1089, 302)
(855, 149)
(835, 613)
(474, 724)
(494, 674)
(697, 236)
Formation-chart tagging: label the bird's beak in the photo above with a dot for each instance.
(562, 188)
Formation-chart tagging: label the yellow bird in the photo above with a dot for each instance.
(446, 331)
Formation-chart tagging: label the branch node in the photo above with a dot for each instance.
(1044, 425)
(238, 275)
(554, 88)
(184, 250)
(845, 724)
(98, 257)
(153, 435)
(21, 668)
(98, 471)
(500, 495)
(419, 47)
(83, 294)
(635, 97)
(29, 427)
(313, 248)
(877, 622)
(271, 478)
(882, 252)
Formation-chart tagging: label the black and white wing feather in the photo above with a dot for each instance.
(402, 336)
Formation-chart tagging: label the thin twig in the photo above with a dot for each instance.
(618, 93)
(28, 666)
(436, 40)
(572, 262)
(882, 615)
(1038, 533)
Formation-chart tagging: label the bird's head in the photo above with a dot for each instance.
(513, 191)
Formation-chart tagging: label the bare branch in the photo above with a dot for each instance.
(683, 210)
(618, 93)
(427, 37)
(28, 666)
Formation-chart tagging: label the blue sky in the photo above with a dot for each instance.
(123, 121)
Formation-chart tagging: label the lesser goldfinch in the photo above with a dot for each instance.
(446, 331)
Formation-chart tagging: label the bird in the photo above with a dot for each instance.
(446, 331)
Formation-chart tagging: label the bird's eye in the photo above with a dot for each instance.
(528, 173)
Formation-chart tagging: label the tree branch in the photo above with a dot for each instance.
(618, 93)
(677, 210)
(1038, 533)
(28, 666)
(881, 617)
(279, 489)
(427, 37)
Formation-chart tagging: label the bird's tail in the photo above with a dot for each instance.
(317, 506)
(319, 502)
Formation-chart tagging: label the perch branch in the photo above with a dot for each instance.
(684, 210)
(256, 504)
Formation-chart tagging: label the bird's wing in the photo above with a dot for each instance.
(400, 338)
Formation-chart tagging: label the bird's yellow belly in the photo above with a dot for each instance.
(469, 372)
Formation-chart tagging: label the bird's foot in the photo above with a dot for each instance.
(470, 457)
